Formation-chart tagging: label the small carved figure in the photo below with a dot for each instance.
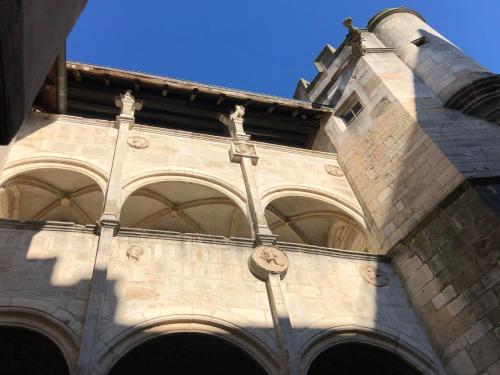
(268, 260)
(237, 113)
(374, 276)
(135, 253)
(128, 104)
(269, 255)
(354, 38)
(334, 170)
(138, 142)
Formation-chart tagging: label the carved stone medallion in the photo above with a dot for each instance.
(267, 260)
(243, 149)
(373, 275)
(138, 142)
(134, 253)
(334, 170)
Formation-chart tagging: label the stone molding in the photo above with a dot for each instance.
(377, 18)
(125, 232)
(25, 317)
(355, 330)
(120, 342)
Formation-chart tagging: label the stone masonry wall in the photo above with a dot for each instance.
(449, 266)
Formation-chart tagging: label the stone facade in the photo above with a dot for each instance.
(383, 233)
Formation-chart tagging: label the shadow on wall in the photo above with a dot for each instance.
(45, 289)
(448, 261)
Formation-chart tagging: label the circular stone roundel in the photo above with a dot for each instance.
(267, 260)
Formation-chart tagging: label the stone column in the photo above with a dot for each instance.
(107, 229)
(243, 151)
(267, 262)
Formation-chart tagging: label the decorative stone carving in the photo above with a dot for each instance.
(334, 170)
(374, 276)
(243, 149)
(128, 105)
(134, 253)
(237, 113)
(354, 38)
(267, 260)
(138, 142)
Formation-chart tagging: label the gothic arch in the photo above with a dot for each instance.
(385, 339)
(184, 201)
(281, 191)
(330, 221)
(47, 189)
(99, 175)
(46, 325)
(137, 181)
(120, 345)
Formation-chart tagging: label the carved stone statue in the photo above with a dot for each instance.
(237, 113)
(354, 38)
(128, 104)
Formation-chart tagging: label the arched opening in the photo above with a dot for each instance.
(23, 351)
(187, 353)
(312, 221)
(184, 207)
(51, 194)
(356, 358)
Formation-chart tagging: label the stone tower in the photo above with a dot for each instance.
(415, 125)
(167, 225)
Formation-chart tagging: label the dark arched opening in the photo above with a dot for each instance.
(187, 353)
(355, 358)
(23, 351)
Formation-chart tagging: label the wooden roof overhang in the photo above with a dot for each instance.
(189, 106)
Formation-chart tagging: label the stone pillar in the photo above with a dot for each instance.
(267, 262)
(107, 228)
(243, 151)
(270, 264)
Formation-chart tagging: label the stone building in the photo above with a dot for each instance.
(164, 225)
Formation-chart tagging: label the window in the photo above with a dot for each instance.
(350, 109)
(420, 41)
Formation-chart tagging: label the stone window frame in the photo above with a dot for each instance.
(350, 109)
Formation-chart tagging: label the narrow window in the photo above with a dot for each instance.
(420, 41)
(350, 109)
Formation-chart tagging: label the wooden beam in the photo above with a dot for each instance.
(194, 95)
(220, 99)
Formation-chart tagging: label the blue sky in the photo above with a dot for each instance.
(261, 45)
